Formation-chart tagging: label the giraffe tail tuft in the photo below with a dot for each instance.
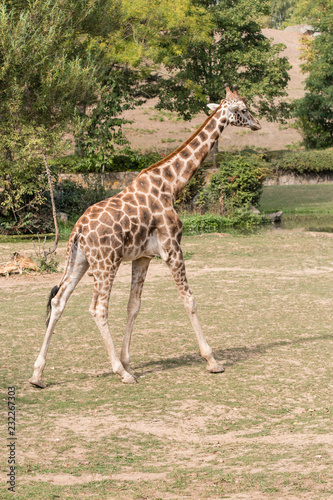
(53, 293)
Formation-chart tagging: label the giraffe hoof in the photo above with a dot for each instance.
(37, 383)
(128, 379)
(215, 369)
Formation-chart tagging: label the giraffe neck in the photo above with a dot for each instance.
(196, 151)
(178, 168)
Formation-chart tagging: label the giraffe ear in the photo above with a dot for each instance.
(213, 106)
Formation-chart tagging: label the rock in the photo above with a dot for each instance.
(62, 216)
(254, 211)
(304, 29)
(296, 28)
(307, 30)
(275, 217)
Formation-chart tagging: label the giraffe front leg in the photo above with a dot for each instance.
(206, 352)
(139, 272)
(116, 364)
(177, 267)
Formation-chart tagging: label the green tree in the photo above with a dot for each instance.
(99, 132)
(309, 12)
(236, 52)
(64, 63)
(314, 110)
(145, 36)
(134, 51)
(50, 64)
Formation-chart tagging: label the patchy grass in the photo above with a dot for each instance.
(305, 199)
(260, 430)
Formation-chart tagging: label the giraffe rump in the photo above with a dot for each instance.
(53, 293)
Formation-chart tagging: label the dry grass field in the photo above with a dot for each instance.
(261, 430)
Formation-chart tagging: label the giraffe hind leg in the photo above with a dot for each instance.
(57, 302)
(139, 272)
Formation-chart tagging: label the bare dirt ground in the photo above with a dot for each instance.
(149, 133)
(261, 430)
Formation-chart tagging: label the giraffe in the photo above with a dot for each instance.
(136, 225)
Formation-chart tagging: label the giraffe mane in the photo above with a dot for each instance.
(180, 148)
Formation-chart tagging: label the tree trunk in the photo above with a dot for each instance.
(55, 244)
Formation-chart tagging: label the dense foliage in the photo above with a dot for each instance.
(75, 66)
(301, 162)
(314, 110)
(73, 199)
(235, 52)
(22, 198)
(233, 189)
(48, 69)
(238, 182)
(281, 11)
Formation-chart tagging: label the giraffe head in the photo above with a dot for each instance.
(237, 113)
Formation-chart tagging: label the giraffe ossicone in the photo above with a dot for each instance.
(136, 225)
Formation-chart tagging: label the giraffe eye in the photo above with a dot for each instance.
(244, 110)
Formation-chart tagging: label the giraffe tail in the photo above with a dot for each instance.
(53, 293)
(71, 248)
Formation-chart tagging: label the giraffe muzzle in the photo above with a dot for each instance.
(255, 126)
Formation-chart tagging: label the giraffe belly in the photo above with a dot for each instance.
(150, 248)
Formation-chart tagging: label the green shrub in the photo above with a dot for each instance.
(133, 160)
(302, 162)
(23, 186)
(48, 266)
(238, 182)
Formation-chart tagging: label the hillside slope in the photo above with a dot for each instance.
(162, 131)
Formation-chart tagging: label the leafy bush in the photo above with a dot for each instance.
(48, 266)
(238, 183)
(74, 199)
(314, 110)
(302, 162)
(25, 206)
(22, 196)
(133, 160)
